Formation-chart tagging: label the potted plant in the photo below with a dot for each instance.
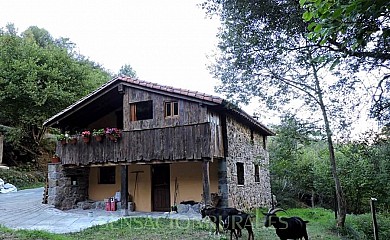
(98, 134)
(73, 139)
(55, 158)
(113, 134)
(63, 138)
(86, 136)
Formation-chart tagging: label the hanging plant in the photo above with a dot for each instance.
(73, 139)
(63, 138)
(86, 135)
(98, 134)
(113, 134)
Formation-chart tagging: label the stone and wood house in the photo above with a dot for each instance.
(176, 145)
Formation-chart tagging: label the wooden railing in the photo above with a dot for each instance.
(189, 142)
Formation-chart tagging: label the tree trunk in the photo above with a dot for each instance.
(312, 198)
(341, 203)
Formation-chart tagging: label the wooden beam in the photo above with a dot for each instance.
(1, 148)
(124, 189)
(206, 181)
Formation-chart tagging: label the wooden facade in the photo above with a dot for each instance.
(169, 144)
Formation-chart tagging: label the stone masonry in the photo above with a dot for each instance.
(67, 186)
(246, 147)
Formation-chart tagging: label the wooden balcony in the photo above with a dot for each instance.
(180, 143)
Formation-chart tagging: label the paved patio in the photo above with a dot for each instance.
(24, 210)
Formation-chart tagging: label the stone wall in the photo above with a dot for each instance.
(67, 186)
(247, 148)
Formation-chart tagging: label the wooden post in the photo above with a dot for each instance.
(124, 189)
(1, 147)
(374, 222)
(335, 205)
(206, 181)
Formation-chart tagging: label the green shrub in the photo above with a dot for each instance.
(21, 178)
(361, 227)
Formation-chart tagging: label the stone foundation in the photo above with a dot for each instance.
(91, 205)
(188, 208)
(67, 186)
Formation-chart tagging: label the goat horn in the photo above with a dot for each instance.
(270, 210)
(273, 211)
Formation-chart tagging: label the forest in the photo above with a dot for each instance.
(300, 173)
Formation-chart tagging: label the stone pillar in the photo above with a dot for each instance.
(54, 176)
(67, 186)
(222, 183)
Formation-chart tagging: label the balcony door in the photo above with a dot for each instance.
(161, 200)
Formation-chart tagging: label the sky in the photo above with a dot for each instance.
(165, 42)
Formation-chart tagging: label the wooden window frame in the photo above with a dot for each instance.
(108, 176)
(171, 108)
(240, 173)
(133, 110)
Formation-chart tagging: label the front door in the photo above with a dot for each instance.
(161, 200)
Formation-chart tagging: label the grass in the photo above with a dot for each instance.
(321, 223)
(8, 234)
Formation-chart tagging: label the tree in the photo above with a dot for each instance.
(264, 52)
(299, 171)
(127, 70)
(291, 174)
(357, 28)
(38, 78)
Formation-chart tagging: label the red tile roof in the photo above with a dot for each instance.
(184, 92)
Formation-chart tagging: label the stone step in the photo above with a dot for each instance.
(4, 167)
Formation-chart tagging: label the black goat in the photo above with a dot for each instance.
(239, 222)
(218, 215)
(286, 228)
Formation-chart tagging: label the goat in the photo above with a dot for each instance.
(286, 228)
(218, 215)
(239, 222)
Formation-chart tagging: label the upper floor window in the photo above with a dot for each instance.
(171, 109)
(141, 110)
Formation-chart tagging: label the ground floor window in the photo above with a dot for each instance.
(257, 174)
(240, 173)
(107, 175)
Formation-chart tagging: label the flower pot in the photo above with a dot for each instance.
(63, 142)
(55, 159)
(86, 139)
(98, 138)
(73, 141)
(112, 138)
